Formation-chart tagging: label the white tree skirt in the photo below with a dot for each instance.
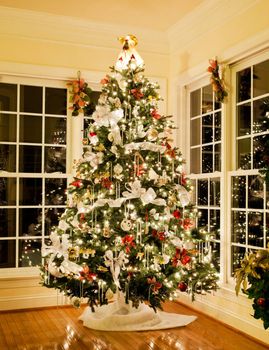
(118, 316)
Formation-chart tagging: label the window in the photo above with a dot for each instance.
(205, 161)
(33, 167)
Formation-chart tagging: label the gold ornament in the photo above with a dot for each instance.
(152, 134)
(106, 232)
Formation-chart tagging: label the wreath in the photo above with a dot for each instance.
(79, 95)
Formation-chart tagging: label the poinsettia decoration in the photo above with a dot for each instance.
(79, 95)
(217, 81)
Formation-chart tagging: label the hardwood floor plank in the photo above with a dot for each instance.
(60, 329)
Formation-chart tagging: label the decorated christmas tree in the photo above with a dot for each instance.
(129, 227)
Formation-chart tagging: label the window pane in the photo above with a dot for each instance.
(195, 131)
(239, 192)
(207, 159)
(202, 222)
(55, 190)
(195, 160)
(30, 159)
(55, 130)
(244, 119)
(30, 191)
(217, 126)
(267, 229)
(31, 99)
(7, 253)
(238, 254)
(238, 226)
(56, 101)
(261, 78)
(8, 97)
(259, 150)
(90, 108)
(215, 192)
(8, 127)
(202, 192)
(207, 100)
(30, 222)
(29, 252)
(255, 192)
(244, 154)
(255, 229)
(52, 216)
(31, 128)
(207, 128)
(8, 158)
(216, 255)
(261, 115)
(55, 159)
(7, 222)
(195, 103)
(7, 191)
(217, 155)
(215, 223)
(243, 84)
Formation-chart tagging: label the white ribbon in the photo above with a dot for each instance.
(104, 117)
(183, 195)
(93, 158)
(149, 146)
(115, 264)
(113, 203)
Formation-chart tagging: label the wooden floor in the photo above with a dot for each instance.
(59, 328)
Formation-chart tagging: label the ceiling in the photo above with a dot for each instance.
(157, 15)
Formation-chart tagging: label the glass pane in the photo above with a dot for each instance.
(29, 252)
(244, 119)
(195, 131)
(207, 100)
(195, 103)
(7, 253)
(90, 108)
(261, 78)
(207, 128)
(55, 130)
(217, 105)
(215, 223)
(31, 99)
(243, 154)
(238, 254)
(216, 255)
(259, 151)
(30, 159)
(52, 216)
(31, 128)
(202, 222)
(238, 226)
(55, 159)
(261, 115)
(217, 126)
(7, 222)
(8, 127)
(267, 229)
(217, 155)
(30, 222)
(215, 192)
(86, 123)
(30, 191)
(207, 159)
(55, 190)
(195, 160)
(238, 191)
(255, 192)
(56, 101)
(8, 158)
(255, 229)
(8, 97)
(202, 192)
(7, 191)
(243, 84)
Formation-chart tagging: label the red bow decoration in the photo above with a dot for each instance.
(155, 114)
(160, 235)
(181, 257)
(187, 224)
(129, 243)
(106, 183)
(76, 183)
(85, 274)
(154, 284)
(137, 94)
(105, 80)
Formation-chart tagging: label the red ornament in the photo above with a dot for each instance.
(137, 94)
(182, 286)
(105, 80)
(177, 214)
(106, 183)
(76, 183)
(187, 224)
(181, 257)
(85, 274)
(129, 243)
(261, 301)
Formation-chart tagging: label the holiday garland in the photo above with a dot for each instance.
(79, 95)
(216, 81)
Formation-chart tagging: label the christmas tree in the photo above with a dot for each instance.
(129, 226)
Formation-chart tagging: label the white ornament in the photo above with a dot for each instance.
(126, 225)
(118, 169)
